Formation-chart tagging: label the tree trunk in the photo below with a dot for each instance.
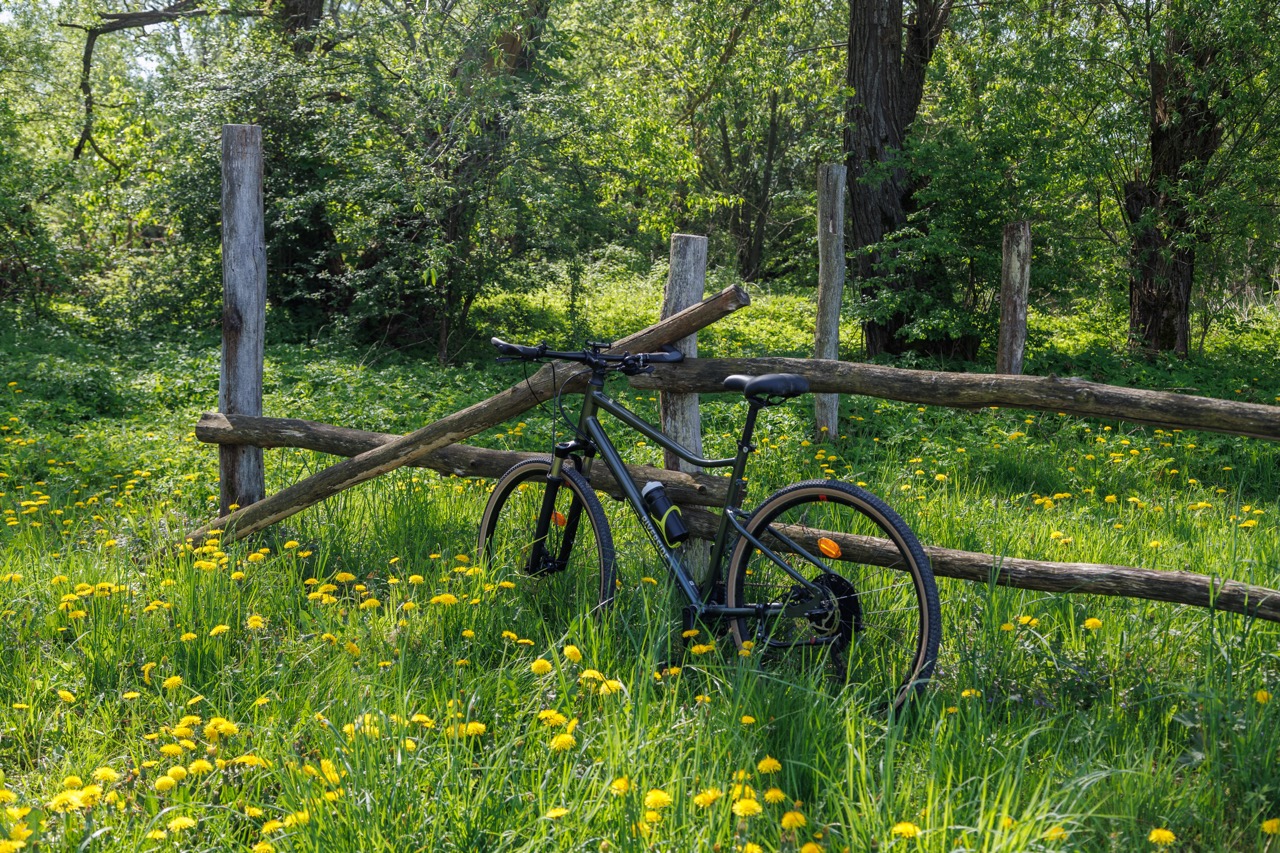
(1184, 133)
(886, 73)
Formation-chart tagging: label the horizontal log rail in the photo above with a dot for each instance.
(702, 490)
(973, 390)
(457, 426)
(459, 459)
(1088, 578)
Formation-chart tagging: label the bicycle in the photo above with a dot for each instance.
(779, 593)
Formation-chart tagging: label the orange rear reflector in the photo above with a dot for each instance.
(829, 548)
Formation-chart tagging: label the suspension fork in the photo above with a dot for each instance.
(565, 450)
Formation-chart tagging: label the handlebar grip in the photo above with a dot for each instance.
(669, 355)
(515, 350)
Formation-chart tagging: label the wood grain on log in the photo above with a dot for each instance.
(459, 459)
(459, 425)
(972, 390)
(1088, 578)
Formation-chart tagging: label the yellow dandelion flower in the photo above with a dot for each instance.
(199, 767)
(1055, 833)
(541, 666)
(552, 718)
(774, 796)
(67, 696)
(793, 820)
(563, 742)
(657, 798)
(747, 808)
(769, 764)
(620, 786)
(572, 653)
(255, 622)
(1092, 623)
(1262, 697)
(177, 773)
(1272, 826)
(165, 783)
(556, 813)
(173, 682)
(905, 829)
(1161, 837)
(106, 775)
(707, 796)
(444, 598)
(748, 720)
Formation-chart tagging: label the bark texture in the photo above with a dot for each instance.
(890, 45)
(974, 390)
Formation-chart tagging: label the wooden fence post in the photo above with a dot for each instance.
(244, 307)
(686, 282)
(1015, 281)
(831, 273)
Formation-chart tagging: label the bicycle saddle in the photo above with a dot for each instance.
(770, 388)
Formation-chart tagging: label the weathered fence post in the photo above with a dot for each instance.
(1015, 280)
(831, 272)
(244, 307)
(686, 282)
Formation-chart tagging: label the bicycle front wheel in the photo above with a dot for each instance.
(572, 567)
(840, 572)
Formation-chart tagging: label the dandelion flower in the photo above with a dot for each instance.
(811, 847)
(556, 813)
(572, 653)
(178, 824)
(620, 786)
(177, 773)
(1007, 822)
(707, 796)
(1092, 623)
(793, 820)
(199, 767)
(703, 648)
(905, 829)
(774, 796)
(747, 808)
(1262, 697)
(255, 622)
(173, 682)
(1161, 837)
(563, 742)
(263, 847)
(165, 783)
(657, 798)
(541, 666)
(769, 764)
(67, 696)
(219, 630)
(748, 720)
(1055, 833)
(106, 775)
(1272, 826)
(444, 598)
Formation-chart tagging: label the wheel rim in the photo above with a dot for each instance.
(877, 643)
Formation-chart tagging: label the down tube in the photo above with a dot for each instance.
(619, 469)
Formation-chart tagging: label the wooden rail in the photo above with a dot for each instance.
(974, 390)
(457, 426)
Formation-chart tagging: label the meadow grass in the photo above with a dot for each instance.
(355, 679)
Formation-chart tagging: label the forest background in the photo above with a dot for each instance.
(420, 155)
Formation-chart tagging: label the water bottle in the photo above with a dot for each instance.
(665, 514)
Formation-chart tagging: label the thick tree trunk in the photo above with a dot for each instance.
(886, 66)
(1184, 133)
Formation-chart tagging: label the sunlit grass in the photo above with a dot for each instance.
(357, 679)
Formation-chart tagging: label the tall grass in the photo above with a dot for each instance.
(416, 723)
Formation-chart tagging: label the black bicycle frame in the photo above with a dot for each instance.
(593, 440)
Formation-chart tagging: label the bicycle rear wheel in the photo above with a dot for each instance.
(572, 567)
(870, 604)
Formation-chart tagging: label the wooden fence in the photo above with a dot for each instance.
(436, 445)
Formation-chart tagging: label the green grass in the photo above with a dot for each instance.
(1036, 728)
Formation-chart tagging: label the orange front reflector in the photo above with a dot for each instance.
(558, 518)
(829, 548)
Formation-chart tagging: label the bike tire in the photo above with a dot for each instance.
(586, 580)
(879, 612)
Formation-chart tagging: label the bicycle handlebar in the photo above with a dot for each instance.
(591, 355)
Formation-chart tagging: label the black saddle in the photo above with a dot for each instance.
(769, 389)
